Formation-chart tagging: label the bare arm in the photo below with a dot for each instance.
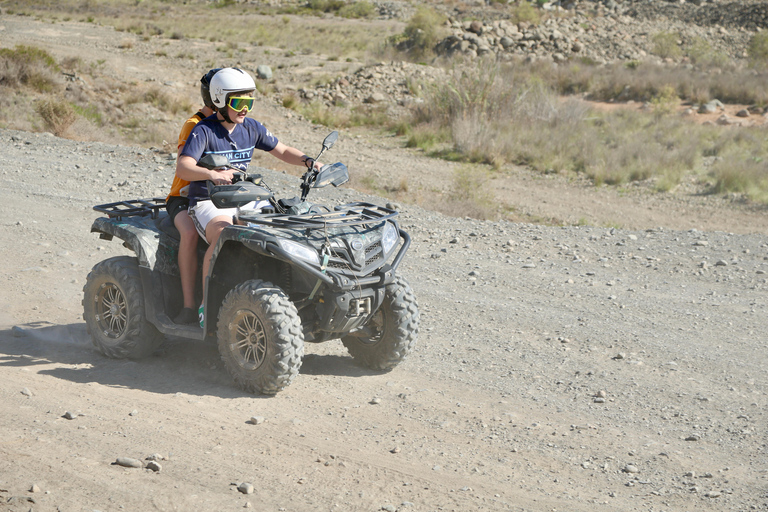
(291, 155)
(187, 169)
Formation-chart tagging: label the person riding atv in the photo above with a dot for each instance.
(279, 277)
(231, 133)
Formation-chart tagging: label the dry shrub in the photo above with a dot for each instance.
(643, 81)
(498, 115)
(741, 165)
(745, 174)
(29, 67)
(57, 115)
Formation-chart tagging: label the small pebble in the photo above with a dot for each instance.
(256, 420)
(154, 466)
(375, 401)
(629, 468)
(245, 488)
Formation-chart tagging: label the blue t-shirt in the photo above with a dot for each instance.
(210, 136)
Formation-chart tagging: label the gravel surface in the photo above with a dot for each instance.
(557, 368)
(578, 368)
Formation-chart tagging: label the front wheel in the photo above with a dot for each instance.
(113, 310)
(391, 333)
(260, 337)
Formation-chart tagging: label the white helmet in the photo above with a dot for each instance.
(229, 80)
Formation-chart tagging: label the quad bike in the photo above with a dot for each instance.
(291, 273)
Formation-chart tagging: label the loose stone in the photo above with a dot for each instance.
(128, 462)
(245, 488)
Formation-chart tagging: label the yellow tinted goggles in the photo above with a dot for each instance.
(240, 103)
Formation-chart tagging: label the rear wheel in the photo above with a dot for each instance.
(391, 333)
(260, 337)
(113, 309)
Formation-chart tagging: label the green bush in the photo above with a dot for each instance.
(665, 45)
(421, 34)
(758, 50)
(665, 101)
(363, 9)
(525, 12)
(701, 53)
(325, 5)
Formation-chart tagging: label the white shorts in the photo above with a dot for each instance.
(204, 212)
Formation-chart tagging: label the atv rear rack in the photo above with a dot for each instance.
(350, 214)
(131, 208)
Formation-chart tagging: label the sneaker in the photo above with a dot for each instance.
(186, 316)
(201, 315)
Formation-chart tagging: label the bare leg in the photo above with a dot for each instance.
(212, 233)
(187, 257)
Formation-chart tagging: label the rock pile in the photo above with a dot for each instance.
(598, 39)
(393, 83)
(597, 32)
(388, 9)
(733, 15)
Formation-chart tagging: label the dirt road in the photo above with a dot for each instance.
(581, 368)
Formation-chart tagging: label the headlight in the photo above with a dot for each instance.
(389, 237)
(300, 251)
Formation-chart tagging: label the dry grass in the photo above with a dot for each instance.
(644, 81)
(499, 115)
(29, 68)
(36, 97)
(487, 113)
(248, 24)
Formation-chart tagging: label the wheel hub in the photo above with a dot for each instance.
(111, 310)
(250, 341)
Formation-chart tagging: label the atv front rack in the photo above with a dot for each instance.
(134, 207)
(350, 214)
